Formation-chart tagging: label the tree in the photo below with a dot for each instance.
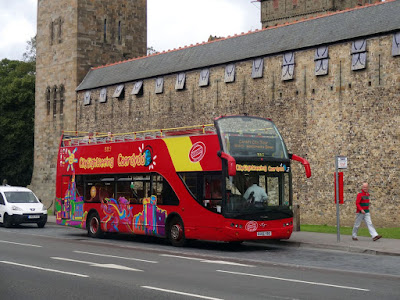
(30, 54)
(17, 107)
(151, 50)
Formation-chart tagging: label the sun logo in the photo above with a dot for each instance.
(148, 154)
(71, 159)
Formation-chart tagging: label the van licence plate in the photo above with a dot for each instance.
(34, 217)
(264, 233)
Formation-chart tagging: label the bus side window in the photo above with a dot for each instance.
(163, 191)
(125, 190)
(193, 183)
(140, 188)
(212, 192)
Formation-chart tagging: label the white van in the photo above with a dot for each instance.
(20, 205)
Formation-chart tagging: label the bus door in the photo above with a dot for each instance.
(66, 197)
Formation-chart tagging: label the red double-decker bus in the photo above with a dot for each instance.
(230, 182)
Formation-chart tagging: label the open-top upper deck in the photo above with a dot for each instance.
(77, 138)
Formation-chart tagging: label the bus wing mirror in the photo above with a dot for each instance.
(231, 162)
(305, 163)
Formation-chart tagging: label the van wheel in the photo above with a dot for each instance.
(176, 232)
(94, 227)
(7, 221)
(41, 224)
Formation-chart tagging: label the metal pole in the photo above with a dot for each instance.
(337, 198)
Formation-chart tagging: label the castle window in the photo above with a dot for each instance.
(56, 31)
(51, 33)
(180, 81)
(288, 66)
(396, 44)
(321, 61)
(119, 32)
(105, 30)
(103, 95)
(54, 92)
(119, 92)
(59, 30)
(258, 65)
(159, 85)
(48, 99)
(138, 88)
(359, 55)
(86, 99)
(62, 99)
(230, 73)
(204, 78)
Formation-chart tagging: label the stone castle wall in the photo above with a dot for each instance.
(350, 113)
(70, 40)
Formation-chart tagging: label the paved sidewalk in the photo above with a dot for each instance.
(329, 241)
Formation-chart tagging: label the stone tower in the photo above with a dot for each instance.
(72, 37)
(275, 12)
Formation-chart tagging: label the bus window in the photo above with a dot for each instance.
(164, 192)
(212, 192)
(273, 191)
(140, 186)
(192, 183)
(205, 187)
(79, 186)
(98, 190)
(125, 190)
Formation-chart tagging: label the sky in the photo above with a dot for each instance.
(170, 23)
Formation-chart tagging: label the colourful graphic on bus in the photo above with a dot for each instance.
(151, 220)
(116, 213)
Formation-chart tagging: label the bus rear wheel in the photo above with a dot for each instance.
(176, 232)
(94, 227)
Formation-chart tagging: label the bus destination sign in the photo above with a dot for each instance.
(251, 145)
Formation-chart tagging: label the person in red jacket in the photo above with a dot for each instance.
(362, 204)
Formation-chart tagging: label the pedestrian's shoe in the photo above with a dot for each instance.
(355, 239)
(376, 238)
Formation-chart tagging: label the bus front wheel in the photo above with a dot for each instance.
(94, 227)
(176, 232)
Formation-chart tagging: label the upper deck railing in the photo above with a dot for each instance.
(76, 138)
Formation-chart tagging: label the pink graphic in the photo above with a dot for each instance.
(151, 220)
(116, 213)
(197, 152)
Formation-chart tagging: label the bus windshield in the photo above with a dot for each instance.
(257, 190)
(243, 136)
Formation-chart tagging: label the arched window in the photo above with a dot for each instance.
(119, 32)
(62, 99)
(48, 99)
(105, 30)
(54, 94)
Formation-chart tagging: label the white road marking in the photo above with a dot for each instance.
(43, 269)
(120, 257)
(21, 244)
(179, 293)
(109, 266)
(221, 262)
(183, 257)
(296, 280)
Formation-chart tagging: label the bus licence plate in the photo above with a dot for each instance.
(264, 233)
(34, 217)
